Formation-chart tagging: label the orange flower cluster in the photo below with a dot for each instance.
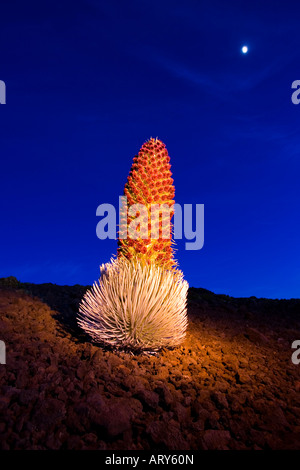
(150, 184)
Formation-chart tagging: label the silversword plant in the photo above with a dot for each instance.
(139, 301)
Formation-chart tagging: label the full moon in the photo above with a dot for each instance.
(244, 49)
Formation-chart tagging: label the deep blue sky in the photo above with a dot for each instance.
(89, 81)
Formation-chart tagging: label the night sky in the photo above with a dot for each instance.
(88, 82)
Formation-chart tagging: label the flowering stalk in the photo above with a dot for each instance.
(150, 184)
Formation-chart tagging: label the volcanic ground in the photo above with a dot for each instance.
(231, 385)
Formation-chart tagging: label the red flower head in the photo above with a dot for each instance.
(150, 171)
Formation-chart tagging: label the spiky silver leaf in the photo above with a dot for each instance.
(135, 305)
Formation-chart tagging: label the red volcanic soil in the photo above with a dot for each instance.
(232, 384)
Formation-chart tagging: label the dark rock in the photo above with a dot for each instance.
(182, 414)
(75, 443)
(242, 377)
(166, 398)
(273, 418)
(168, 435)
(81, 370)
(4, 403)
(256, 336)
(221, 389)
(48, 414)
(90, 438)
(148, 398)
(22, 378)
(10, 282)
(220, 400)
(113, 416)
(28, 396)
(216, 439)
(120, 415)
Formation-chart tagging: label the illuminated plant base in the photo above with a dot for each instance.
(136, 305)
